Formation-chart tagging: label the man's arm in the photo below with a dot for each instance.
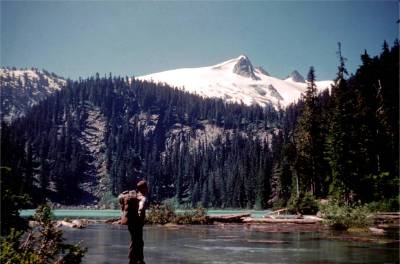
(142, 206)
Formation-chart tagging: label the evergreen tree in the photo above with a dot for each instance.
(306, 139)
(339, 138)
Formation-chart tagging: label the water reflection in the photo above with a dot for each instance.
(218, 245)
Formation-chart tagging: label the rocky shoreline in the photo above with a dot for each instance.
(385, 230)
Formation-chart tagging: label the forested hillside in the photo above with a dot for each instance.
(98, 136)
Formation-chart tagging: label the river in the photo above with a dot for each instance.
(220, 244)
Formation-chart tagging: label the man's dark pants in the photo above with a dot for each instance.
(136, 247)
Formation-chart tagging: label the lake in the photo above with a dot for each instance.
(220, 244)
(104, 214)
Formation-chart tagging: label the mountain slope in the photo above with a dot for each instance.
(22, 89)
(237, 81)
(94, 138)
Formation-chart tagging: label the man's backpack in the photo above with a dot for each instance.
(129, 205)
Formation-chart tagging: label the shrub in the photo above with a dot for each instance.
(196, 216)
(163, 214)
(41, 245)
(342, 216)
(304, 204)
(160, 214)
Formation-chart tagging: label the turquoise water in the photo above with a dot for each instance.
(69, 213)
(104, 214)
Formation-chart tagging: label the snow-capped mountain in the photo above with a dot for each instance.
(21, 89)
(237, 80)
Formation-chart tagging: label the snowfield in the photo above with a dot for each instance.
(237, 81)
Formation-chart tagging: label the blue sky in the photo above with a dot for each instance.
(80, 38)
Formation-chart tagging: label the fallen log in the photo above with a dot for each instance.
(298, 216)
(277, 212)
(377, 231)
(387, 216)
(312, 220)
(112, 220)
(389, 226)
(388, 213)
(227, 218)
(118, 222)
(312, 217)
(77, 223)
(65, 223)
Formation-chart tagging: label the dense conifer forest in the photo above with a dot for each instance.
(97, 136)
(345, 144)
(50, 158)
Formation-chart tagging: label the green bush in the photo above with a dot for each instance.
(305, 204)
(196, 216)
(342, 216)
(160, 214)
(163, 214)
(41, 245)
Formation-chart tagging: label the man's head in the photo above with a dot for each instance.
(142, 187)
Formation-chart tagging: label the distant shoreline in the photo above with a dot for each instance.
(104, 214)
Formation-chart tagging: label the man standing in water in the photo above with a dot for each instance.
(133, 205)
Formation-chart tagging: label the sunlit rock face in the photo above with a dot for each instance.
(244, 68)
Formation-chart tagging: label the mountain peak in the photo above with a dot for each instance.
(295, 76)
(242, 56)
(243, 67)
